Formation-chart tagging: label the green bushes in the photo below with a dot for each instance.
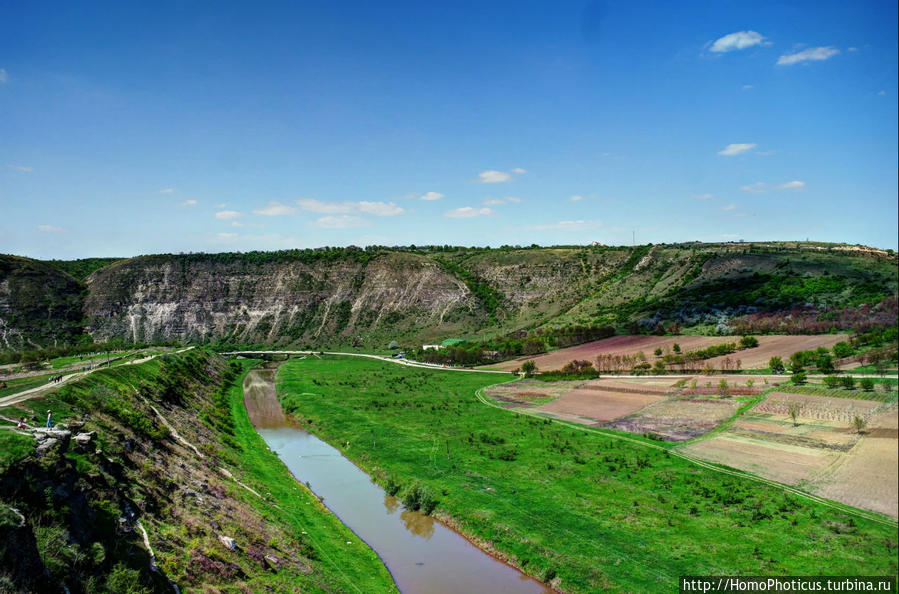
(748, 342)
(419, 498)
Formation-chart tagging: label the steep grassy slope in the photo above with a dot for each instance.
(173, 453)
(342, 297)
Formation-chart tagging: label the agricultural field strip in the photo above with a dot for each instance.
(26, 394)
(702, 463)
(732, 472)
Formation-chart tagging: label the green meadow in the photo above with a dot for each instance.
(581, 511)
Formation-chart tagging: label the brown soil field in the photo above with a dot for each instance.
(527, 392)
(600, 406)
(678, 419)
(816, 407)
(814, 431)
(867, 477)
(780, 462)
(779, 346)
(755, 358)
(621, 345)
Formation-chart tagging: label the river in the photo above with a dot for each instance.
(421, 554)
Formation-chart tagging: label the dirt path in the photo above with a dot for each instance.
(27, 394)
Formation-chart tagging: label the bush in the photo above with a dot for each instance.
(867, 384)
(824, 364)
(749, 342)
(799, 378)
(848, 382)
(831, 381)
(418, 497)
(842, 350)
(776, 365)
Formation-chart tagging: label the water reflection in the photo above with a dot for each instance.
(391, 503)
(418, 524)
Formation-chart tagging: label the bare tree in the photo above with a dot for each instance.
(793, 409)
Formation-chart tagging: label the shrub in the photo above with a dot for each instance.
(848, 382)
(799, 378)
(776, 365)
(842, 350)
(748, 342)
(831, 381)
(657, 352)
(867, 384)
(676, 348)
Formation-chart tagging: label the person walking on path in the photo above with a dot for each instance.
(49, 419)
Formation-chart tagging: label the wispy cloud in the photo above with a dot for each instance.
(226, 215)
(576, 198)
(276, 209)
(748, 87)
(579, 225)
(340, 222)
(729, 207)
(3, 76)
(756, 188)
(237, 224)
(881, 93)
(737, 149)
(167, 191)
(703, 196)
(467, 212)
(812, 54)
(792, 185)
(227, 236)
(221, 205)
(491, 176)
(188, 203)
(50, 229)
(21, 168)
(431, 196)
(737, 41)
(379, 209)
(498, 201)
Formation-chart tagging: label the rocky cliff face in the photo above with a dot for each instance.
(199, 298)
(369, 298)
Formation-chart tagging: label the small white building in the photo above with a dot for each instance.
(429, 347)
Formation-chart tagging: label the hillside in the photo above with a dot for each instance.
(155, 476)
(342, 297)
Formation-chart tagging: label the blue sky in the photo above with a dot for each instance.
(129, 128)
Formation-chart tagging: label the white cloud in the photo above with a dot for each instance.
(380, 209)
(756, 188)
(579, 225)
(467, 212)
(431, 196)
(747, 87)
(237, 224)
(21, 168)
(792, 185)
(3, 76)
(519, 170)
(227, 236)
(737, 148)
(494, 177)
(737, 41)
(576, 198)
(882, 93)
(276, 209)
(729, 207)
(812, 54)
(225, 215)
(49, 229)
(853, 49)
(340, 222)
(498, 201)
(166, 190)
(703, 196)
(221, 205)
(189, 203)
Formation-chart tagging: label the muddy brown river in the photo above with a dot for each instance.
(421, 554)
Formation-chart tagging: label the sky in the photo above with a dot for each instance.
(131, 128)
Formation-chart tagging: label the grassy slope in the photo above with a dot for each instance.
(591, 511)
(153, 475)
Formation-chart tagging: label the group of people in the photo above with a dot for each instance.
(22, 425)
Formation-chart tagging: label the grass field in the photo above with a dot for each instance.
(583, 511)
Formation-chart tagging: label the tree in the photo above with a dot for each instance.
(867, 384)
(848, 382)
(529, 368)
(793, 409)
(776, 365)
(842, 349)
(799, 378)
(831, 381)
(748, 342)
(676, 348)
(859, 423)
(658, 352)
(825, 364)
(723, 389)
